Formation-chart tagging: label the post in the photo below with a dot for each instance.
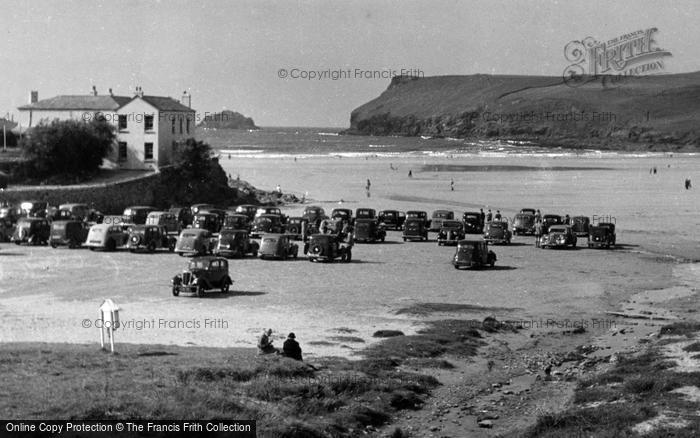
(303, 231)
(102, 331)
(111, 332)
(4, 138)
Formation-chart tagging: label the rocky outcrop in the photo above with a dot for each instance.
(657, 112)
(227, 120)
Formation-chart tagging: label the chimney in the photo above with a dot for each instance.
(94, 90)
(139, 91)
(33, 96)
(110, 92)
(186, 99)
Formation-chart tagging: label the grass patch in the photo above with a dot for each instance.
(680, 329)
(428, 308)
(387, 333)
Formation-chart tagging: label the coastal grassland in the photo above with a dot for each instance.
(334, 397)
(649, 393)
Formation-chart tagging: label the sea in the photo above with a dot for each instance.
(272, 142)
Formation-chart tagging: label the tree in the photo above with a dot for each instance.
(193, 159)
(67, 148)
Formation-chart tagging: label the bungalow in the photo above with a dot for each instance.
(148, 127)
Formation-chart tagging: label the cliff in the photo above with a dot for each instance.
(644, 112)
(227, 120)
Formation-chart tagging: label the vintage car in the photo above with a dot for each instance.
(497, 232)
(203, 274)
(183, 215)
(277, 246)
(438, 216)
(415, 229)
(207, 221)
(235, 243)
(450, 233)
(165, 219)
(549, 220)
(271, 210)
(531, 211)
(267, 223)
(32, 230)
(196, 208)
(136, 215)
(149, 237)
(296, 224)
(558, 236)
(105, 236)
(392, 219)
(368, 230)
(601, 235)
(418, 214)
(344, 214)
(220, 214)
(365, 213)
(33, 208)
(314, 214)
(70, 233)
(524, 223)
(472, 222)
(236, 221)
(194, 241)
(328, 248)
(248, 210)
(579, 225)
(473, 254)
(78, 212)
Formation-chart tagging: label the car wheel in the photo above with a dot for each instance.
(383, 237)
(176, 291)
(456, 267)
(296, 253)
(54, 246)
(200, 290)
(151, 247)
(492, 263)
(574, 244)
(225, 286)
(171, 247)
(348, 258)
(181, 254)
(111, 245)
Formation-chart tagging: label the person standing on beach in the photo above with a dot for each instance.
(452, 185)
(688, 185)
(410, 173)
(489, 216)
(538, 232)
(498, 216)
(367, 187)
(482, 217)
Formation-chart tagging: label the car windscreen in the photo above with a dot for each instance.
(442, 215)
(198, 264)
(557, 230)
(451, 224)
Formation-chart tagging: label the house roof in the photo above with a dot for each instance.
(167, 104)
(72, 102)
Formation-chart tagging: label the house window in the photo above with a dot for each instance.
(148, 151)
(188, 125)
(180, 124)
(122, 150)
(172, 120)
(122, 121)
(148, 123)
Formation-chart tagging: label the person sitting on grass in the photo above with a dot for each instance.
(265, 343)
(291, 348)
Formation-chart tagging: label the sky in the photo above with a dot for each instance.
(255, 57)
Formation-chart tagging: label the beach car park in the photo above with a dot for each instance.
(105, 236)
(70, 233)
(558, 236)
(136, 215)
(203, 274)
(472, 222)
(149, 237)
(438, 216)
(267, 223)
(165, 219)
(524, 223)
(277, 246)
(328, 248)
(601, 235)
(497, 232)
(392, 219)
(197, 241)
(415, 229)
(235, 243)
(473, 253)
(368, 230)
(31, 230)
(450, 233)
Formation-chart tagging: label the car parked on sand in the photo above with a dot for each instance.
(558, 236)
(183, 215)
(136, 215)
(450, 233)
(314, 214)
(70, 233)
(344, 214)
(203, 274)
(270, 210)
(235, 243)
(78, 212)
(328, 248)
(106, 236)
(248, 210)
(472, 222)
(601, 235)
(531, 211)
(473, 254)
(551, 219)
(418, 214)
(33, 209)
(524, 223)
(497, 232)
(365, 213)
(392, 219)
(277, 246)
(207, 221)
(296, 224)
(438, 217)
(267, 223)
(9, 214)
(236, 221)
(31, 230)
(165, 219)
(368, 230)
(149, 237)
(415, 229)
(196, 208)
(194, 241)
(580, 225)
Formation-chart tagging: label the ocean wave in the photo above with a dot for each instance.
(241, 151)
(333, 134)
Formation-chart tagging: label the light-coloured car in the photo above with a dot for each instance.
(105, 236)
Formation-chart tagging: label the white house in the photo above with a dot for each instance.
(148, 127)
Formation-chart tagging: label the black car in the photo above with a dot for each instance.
(266, 223)
(203, 274)
(392, 219)
(551, 219)
(368, 230)
(71, 233)
(580, 225)
(32, 230)
(415, 229)
(473, 254)
(327, 248)
(601, 235)
(365, 213)
(450, 233)
(235, 243)
(472, 222)
(149, 237)
(344, 214)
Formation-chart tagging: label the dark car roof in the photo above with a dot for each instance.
(207, 259)
(552, 215)
(471, 242)
(558, 228)
(365, 220)
(140, 207)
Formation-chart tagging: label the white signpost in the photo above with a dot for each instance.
(109, 315)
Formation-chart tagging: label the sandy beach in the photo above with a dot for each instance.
(53, 295)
